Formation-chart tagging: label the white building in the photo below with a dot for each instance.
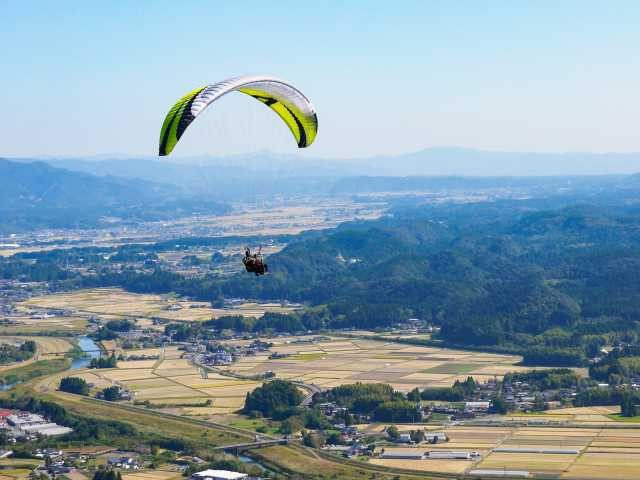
(477, 407)
(450, 455)
(500, 473)
(403, 454)
(218, 475)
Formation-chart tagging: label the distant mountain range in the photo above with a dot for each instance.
(267, 172)
(36, 194)
(78, 192)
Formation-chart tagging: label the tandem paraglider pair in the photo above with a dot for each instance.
(287, 101)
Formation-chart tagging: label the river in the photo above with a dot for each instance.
(90, 351)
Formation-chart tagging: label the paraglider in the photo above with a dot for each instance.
(287, 101)
(254, 263)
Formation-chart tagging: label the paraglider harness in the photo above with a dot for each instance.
(254, 262)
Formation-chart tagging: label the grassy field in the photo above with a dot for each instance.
(17, 468)
(33, 370)
(46, 346)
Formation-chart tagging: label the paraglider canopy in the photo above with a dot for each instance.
(283, 98)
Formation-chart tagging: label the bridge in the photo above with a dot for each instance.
(112, 351)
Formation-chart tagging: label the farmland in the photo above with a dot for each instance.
(111, 303)
(603, 453)
(333, 361)
(173, 383)
(45, 347)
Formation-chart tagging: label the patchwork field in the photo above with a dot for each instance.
(21, 322)
(172, 382)
(110, 303)
(603, 453)
(586, 415)
(330, 362)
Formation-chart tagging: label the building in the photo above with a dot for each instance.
(451, 455)
(218, 475)
(31, 423)
(25, 419)
(477, 407)
(407, 454)
(500, 473)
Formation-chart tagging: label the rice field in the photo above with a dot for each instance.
(587, 415)
(330, 362)
(603, 453)
(172, 382)
(152, 475)
(111, 303)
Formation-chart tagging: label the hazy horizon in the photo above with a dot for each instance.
(82, 79)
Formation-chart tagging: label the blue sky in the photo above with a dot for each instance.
(90, 78)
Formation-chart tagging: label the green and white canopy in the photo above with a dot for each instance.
(287, 101)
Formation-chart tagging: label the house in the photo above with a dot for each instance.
(126, 463)
(404, 438)
(435, 437)
(477, 407)
(218, 475)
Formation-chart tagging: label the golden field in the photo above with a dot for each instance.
(338, 361)
(603, 453)
(111, 303)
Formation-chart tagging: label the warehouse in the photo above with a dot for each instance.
(482, 473)
(219, 475)
(402, 455)
(451, 455)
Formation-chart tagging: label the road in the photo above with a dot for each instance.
(311, 389)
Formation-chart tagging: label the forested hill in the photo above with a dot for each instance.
(35, 194)
(560, 279)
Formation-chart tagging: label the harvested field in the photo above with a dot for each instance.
(447, 466)
(109, 303)
(173, 381)
(152, 475)
(338, 361)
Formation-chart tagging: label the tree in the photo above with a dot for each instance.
(273, 396)
(414, 395)
(292, 425)
(74, 385)
(630, 404)
(111, 394)
(393, 433)
(417, 436)
(539, 404)
(312, 440)
(498, 405)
